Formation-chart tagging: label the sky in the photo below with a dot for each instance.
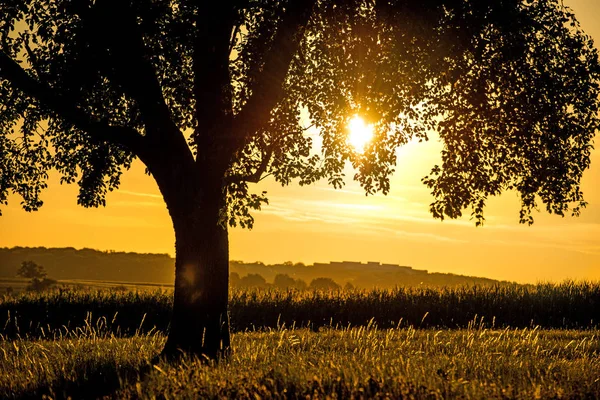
(320, 224)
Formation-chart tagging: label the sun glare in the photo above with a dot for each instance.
(359, 133)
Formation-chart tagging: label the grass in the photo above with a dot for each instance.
(362, 362)
(405, 343)
(568, 305)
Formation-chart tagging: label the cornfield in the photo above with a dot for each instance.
(568, 305)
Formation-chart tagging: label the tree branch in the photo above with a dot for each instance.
(67, 109)
(233, 37)
(212, 85)
(129, 65)
(257, 175)
(268, 89)
(35, 65)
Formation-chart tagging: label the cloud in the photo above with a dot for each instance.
(146, 199)
(140, 194)
(136, 204)
(343, 217)
(292, 214)
(577, 247)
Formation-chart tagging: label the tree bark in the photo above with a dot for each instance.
(200, 321)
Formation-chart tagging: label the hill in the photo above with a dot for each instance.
(89, 264)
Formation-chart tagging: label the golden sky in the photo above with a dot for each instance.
(318, 223)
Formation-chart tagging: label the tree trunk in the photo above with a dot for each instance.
(200, 322)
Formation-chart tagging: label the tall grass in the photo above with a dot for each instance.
(568, 305)
(361, 362)
(94, 344)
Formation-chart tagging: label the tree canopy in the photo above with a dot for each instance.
(30, 269)
(209, 96)
(510, 86)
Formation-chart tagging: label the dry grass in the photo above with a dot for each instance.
(569, 305)
(99, 344)
(362, 362)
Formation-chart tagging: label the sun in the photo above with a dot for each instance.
(359, 133)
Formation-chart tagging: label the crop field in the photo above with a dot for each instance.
(19, 285)
(568, 305)
(404, 348)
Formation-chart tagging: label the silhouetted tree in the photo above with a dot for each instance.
(253, 281)
(38, 285)
(299, 284)
(234, 279)
(208, 95)
(31, 270)
(37, 274)
(283, 281)
(323, 284)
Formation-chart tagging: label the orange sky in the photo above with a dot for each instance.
(318, 223)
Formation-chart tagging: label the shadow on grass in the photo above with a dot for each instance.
(99, 380)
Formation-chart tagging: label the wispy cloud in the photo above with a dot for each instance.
(98, 219)
(137, 204)
(430, 236)
(408, 218)
(292, 214)
(368, 219)
(140, 194)
(358, 191)
(577, 247)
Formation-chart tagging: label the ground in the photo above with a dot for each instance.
(362, 362)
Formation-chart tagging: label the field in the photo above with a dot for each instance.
(420, 356)
(18, 285)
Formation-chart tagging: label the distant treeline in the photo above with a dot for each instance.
(88, 264)
(283, 282)
(346, 274)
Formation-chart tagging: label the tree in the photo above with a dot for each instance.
(325, 284)
(299, 284)
(234, 279)
(253, 281)
(31, 270)
(284, 281)
(208, 95)
(37, 274)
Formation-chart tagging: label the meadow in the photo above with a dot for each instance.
(512, 342)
